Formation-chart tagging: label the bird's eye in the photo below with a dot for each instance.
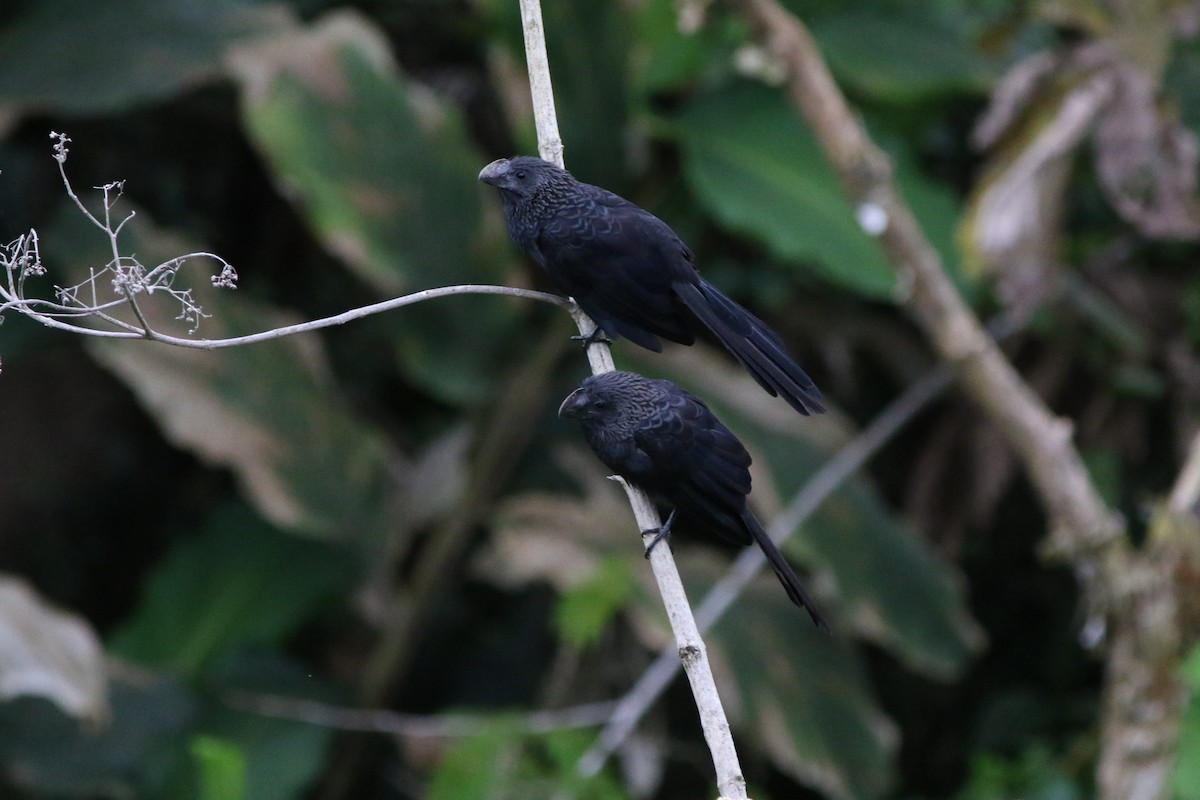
(520, 174)
(599, 405)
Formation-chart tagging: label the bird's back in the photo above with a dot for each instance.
(694, 462)
(616, 259)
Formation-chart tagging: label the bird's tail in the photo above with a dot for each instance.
(756, 346)
(787, 576)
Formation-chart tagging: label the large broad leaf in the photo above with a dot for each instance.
(385, 175)
(239, 582)
(904, 53)
(73, 57)
(271, 412)
(805, 697)
(757, 168)
(381, 169)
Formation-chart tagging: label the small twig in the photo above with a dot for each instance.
(131, 332)
(396, 723)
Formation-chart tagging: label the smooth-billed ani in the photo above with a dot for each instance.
(632, 275)
(666, 441)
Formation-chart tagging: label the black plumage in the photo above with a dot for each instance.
(666, 441)
(632, 275)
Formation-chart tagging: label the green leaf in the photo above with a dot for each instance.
(51, 755)
(90, 58)
(806, 696)
(474, 766)
(239, 582)
(500, 762)
(385, 175)
(1036, 774)
(892, 589)
(1104, 468)
(1191, 669)
(758, 170)
(1181, 83)
(756, 167)
(282, 757)
(903, 54)
(583, 612)
(222, 768)
(1185, 778)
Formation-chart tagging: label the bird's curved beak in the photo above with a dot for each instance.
(574, 404)
(495, 172)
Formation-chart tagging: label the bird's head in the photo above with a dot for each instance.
(521, 176)
(613, 400)
(586, 405)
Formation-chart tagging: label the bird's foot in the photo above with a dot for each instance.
(659, 533)
(596, 336)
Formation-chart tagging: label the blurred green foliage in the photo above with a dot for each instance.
(387, 504)
(222, 768)
(1186, 784)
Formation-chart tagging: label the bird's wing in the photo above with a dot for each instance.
(619, 262)
(756, 346)
(698, 465)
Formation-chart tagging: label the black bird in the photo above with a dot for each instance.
(632, 275)
(666, 441)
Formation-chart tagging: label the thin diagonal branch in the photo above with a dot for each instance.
(379, 720)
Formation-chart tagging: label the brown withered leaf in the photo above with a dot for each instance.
(50, 653)
(1012, 96)
(1146, 159)
(1013, 222)
(1106, 90)
(558, 538)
